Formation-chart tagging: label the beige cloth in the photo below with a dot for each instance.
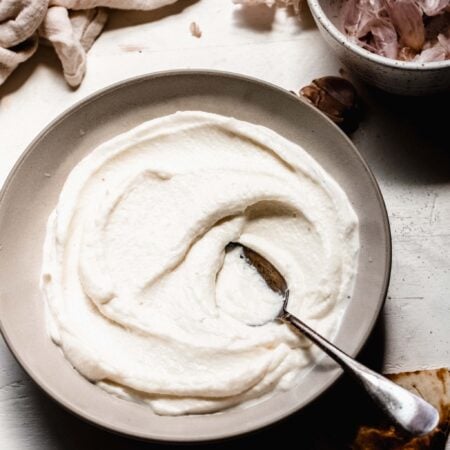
(70, 26)
(10, 58)
(72, 35)
(19, 20)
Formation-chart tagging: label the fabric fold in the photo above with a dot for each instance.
(19, 19)
(70, 26)
(11, 57)
(72, 35)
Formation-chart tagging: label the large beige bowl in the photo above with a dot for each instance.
(398, 77)
(31, 193)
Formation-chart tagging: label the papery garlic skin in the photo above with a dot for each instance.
(398, 29)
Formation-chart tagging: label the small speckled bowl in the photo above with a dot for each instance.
(398, 77)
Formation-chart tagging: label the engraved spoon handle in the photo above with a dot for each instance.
(412, 413)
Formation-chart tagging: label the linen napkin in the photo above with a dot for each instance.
(19, 21)
(70, 26)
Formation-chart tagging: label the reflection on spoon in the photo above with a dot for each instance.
(409, 411)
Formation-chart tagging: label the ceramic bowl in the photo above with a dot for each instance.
(32, 190)
(398, 77)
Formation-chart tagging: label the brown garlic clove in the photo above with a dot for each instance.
(337, 98)
(407, 19)
(406, 54)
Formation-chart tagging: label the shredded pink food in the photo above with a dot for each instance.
(410, 30)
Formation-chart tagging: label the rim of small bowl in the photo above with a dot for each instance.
(335, 33)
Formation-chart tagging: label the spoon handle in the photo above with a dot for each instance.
(412, 413)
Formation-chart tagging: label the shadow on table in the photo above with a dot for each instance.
(326, 424)
(130, 18)
(117, 19)
(257, 18)
(411, 144)
(45, 56)
(260, 17)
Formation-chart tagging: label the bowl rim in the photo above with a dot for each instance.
(320, 16)
(267, 422)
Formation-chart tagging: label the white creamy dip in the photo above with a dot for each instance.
(142, 298)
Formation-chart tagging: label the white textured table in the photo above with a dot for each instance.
(405, 141)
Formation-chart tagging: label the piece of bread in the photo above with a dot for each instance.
(433, 386)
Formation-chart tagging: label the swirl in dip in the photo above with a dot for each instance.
(142, 297)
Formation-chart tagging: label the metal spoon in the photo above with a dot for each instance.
(409, 411)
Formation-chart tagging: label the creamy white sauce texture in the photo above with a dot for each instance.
(142, 297)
